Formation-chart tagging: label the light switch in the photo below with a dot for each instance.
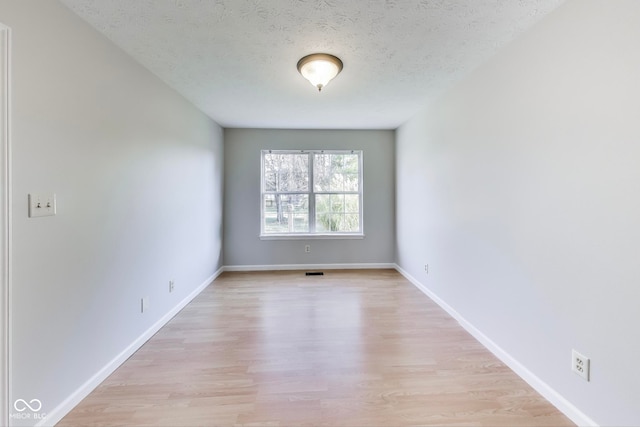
(42, 205)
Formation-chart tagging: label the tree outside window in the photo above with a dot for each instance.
(311, 192)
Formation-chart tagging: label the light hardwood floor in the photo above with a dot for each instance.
(350, 348)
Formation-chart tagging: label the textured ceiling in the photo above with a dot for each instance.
(236, 59)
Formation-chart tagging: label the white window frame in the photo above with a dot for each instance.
(312, 234)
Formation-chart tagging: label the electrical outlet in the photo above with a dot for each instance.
(307, 248)
(144, 304)
(580, 365)
(426, 268)
(172, 285)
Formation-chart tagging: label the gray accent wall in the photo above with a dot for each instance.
(520, 187)
(242, 244)
(137, 171)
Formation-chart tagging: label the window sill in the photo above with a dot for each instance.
(311, 236)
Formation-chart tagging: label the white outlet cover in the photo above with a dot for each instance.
(42, 204)
(580, 365)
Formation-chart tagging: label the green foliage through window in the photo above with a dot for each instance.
(311, 192)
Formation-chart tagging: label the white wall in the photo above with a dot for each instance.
(242, 244)
(138, 175)
(521, 188)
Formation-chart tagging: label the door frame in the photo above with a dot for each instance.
(5, 219)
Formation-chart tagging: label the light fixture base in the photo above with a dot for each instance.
(319, 68)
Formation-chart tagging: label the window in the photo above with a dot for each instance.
(311, 193)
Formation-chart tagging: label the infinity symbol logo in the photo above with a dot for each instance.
(21, 405)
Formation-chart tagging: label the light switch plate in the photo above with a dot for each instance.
(42, 204)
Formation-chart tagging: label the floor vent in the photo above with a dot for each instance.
(314, 273)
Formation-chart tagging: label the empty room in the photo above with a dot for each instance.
(320, 213)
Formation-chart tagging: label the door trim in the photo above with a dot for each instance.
(5, 219)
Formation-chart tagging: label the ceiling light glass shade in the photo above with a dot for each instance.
(319, 68)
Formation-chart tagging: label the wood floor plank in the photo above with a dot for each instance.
(350, 348)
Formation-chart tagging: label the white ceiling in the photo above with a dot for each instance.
(236, 59)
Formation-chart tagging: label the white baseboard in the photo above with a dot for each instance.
(555, 398)
(281, 267)
(76, 397)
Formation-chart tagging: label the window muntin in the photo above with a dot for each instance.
(311, 193)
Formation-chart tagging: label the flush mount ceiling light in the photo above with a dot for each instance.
(319, 68)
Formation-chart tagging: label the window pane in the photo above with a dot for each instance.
(337, 213)
(323, 222)
(286, 172)
(321, 172)
(350, 164)
(323, 203)
(327, 222)
(337, 161)
(335, 172)
(350, 182)
(286, 213)
(270, 181)
(352, 203)
(337, 203)
(323, 213)
(270, 213)
(337, 182)
(351, 222)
